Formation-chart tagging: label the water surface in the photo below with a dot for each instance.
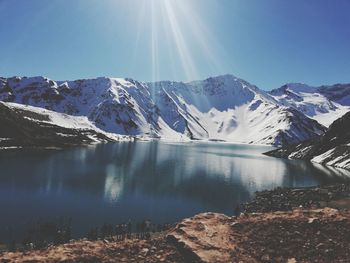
(163, 182)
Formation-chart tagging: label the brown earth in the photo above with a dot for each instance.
(321, 235)
(154, 250)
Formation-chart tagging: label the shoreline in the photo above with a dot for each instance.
(309, 211)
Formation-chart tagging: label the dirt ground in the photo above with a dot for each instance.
(321, 235)
(154, 250)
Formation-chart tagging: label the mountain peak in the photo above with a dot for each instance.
(300, 87)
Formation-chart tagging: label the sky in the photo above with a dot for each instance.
(268, 43)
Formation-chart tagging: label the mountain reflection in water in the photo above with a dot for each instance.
(163, 182)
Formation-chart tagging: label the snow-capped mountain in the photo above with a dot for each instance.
(28, 126)
(231, 109)
(324, 104)
(220, 108)
(332, 148)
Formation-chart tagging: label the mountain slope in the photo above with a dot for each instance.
(332, 148)
(324, 104)
(115, 105)
(228, 108)
(221, 108)
(26, 126)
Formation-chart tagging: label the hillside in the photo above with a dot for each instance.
(332, 148)
(26, 126)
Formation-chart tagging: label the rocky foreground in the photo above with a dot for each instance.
(317, 230)
(321, 235)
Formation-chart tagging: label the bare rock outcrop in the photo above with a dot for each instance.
(320, 235)
(205, 237)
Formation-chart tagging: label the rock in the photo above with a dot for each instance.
(235, 224)
(323, 191)
(268, 201)
(311, 220)
(145, 251)
(320, 246)
(265, 258)
(208, 243)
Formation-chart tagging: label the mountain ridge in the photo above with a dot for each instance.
(324, 104)
(217, 108)
(332, 148)
(31, 127)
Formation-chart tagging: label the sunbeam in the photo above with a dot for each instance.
(180, 41)
(140, 21)
(210, 47)
(177, 37)
(154, 44)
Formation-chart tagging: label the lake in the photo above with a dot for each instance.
(163, 182)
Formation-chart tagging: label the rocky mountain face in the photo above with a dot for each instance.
(230, 109)
(23, 126)
(325, 104)
(339, 93)
(221, 108)
(332, 148)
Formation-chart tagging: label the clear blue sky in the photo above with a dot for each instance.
(268, 42)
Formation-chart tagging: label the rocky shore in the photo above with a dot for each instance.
(282, 225)
(320, 235)
(287, 199)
